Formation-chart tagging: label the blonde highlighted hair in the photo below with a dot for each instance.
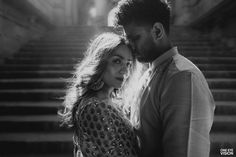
(90, 69)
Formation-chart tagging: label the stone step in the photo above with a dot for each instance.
(197, 46)
(35, 95)
(230, 67)
(215, 60)
(67, 35)
(9, 74)
(51, 49)
(75, 38)
(80, 37)
(59, 45)
(58, 42)
(66, 60)
(60, 155)
(219, 83)
(219, 74)
(48, 56)
(64, 67)
(40, 155)
(208, 53)
(224, 94)
(29, 108)
(85, 43)
(222, 141)
(186, 51)
(191, 43)
(42, 60)
(51, 123)
(69, 54)
(36, 137)
(70, 34)
(200, 49)
(26, 67)
(189, 39)
(63, 40)
(60, 83)
(76, 53)
(47, 108)
(57, 94)
(225, 108)
(35, 74)
(51, 143)
(80, 47)
(224, 124)
(31, 123)
(36, 143)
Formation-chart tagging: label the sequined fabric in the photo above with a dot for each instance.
(103, 131)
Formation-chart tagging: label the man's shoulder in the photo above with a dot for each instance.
(182, 64)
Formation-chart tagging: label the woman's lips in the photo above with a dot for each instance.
(120, 79)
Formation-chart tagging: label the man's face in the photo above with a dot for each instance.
(141, 41)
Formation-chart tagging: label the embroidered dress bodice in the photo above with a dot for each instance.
(102, 130)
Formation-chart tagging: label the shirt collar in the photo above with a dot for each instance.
(171, 52)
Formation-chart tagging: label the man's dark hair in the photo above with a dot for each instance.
(143, 12)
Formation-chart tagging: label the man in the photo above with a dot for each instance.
(177, 107)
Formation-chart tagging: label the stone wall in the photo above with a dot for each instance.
(25, 20)
(103, 9)
(16, 29)
(58, 11)
(187, 11)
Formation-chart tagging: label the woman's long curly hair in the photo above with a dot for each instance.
(88, 71)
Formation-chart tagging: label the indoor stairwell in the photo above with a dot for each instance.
(33, 81)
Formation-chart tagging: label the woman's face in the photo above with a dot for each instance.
(118, 67)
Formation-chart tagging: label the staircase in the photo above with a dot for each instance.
(33, 83)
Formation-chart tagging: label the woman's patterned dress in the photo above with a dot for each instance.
(103, 131)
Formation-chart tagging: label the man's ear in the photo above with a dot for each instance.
(157, 31)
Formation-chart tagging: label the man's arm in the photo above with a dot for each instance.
(187, 109)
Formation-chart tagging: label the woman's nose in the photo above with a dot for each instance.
(124, 69)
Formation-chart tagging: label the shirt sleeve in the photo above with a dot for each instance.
(187, 111)
(106, 132)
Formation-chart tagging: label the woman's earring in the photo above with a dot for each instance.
(97, 85)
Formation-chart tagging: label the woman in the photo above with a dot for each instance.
(94, 102)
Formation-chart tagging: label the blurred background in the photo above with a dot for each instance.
(41, 41)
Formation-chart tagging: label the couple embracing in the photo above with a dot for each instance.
(117, 107)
